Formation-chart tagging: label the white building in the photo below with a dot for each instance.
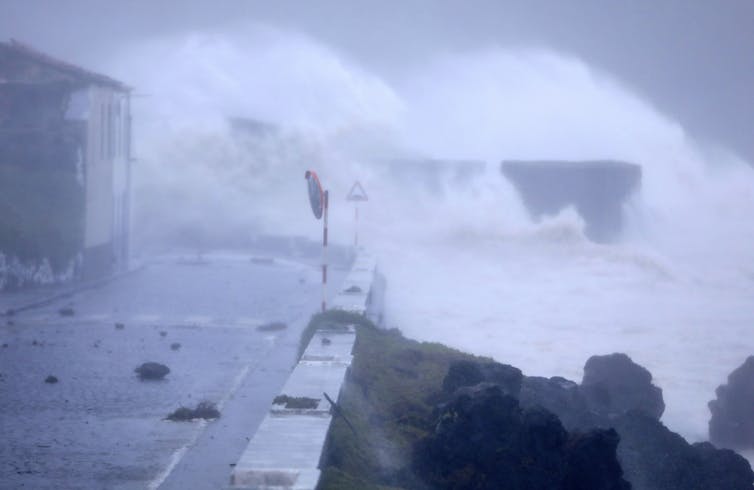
(106, 161)
(89, 118)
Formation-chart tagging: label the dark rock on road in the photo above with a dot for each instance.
(614, 384)
(51, 379)
(152, 371)
(732, 422)
(272, 327)
(204, 410)
(67, 311)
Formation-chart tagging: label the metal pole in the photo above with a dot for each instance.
(324, 255)
(356, 226)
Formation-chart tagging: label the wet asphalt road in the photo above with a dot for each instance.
(101, 427)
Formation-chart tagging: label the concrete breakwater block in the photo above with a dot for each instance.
(596, 189)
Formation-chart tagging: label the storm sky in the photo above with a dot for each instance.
(690, 59)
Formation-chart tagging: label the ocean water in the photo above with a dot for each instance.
(547, 300)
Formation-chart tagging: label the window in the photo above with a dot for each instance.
(102, 131)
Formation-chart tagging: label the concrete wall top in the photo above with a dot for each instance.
(285, 451)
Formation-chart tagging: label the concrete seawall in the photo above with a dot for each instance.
(286, 450)
(596, 189)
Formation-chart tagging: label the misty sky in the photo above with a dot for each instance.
(691, 59)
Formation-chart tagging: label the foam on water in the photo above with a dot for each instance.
(465, 265)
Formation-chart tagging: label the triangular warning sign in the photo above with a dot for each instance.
(357, 193)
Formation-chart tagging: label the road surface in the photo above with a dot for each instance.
(100, 426)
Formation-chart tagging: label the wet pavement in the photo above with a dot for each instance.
(100, 426)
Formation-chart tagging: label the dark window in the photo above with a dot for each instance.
(102, 131)
(110, 131)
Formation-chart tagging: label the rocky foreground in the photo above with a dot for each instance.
(423, 416)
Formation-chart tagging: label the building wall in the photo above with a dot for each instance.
(64, 168)
(42, 201)
(107, 177)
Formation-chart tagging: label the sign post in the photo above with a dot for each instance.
(356, 195)
(319, 201)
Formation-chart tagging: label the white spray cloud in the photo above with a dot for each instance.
(465, 265)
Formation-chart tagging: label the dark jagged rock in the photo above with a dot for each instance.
(51, 379)
(152, 370)
(560, 396)
(614, 385)
(484, 440)
(732, 422)
(478, 443)
(724, 469)
(591, 461)
(470, 373)
(654, 458)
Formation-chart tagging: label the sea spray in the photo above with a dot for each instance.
(465, 264)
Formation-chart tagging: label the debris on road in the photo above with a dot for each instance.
(51, 379)
(163, 333)
(204, 410)
(272, 327)
(119, 326)
(175, 346)
(67, 311)
(262, 260)
(152, 370)
(296, 401)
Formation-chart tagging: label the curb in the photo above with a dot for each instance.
(69, 292)
(286, 449)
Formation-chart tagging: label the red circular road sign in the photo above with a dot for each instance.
(316, 196)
